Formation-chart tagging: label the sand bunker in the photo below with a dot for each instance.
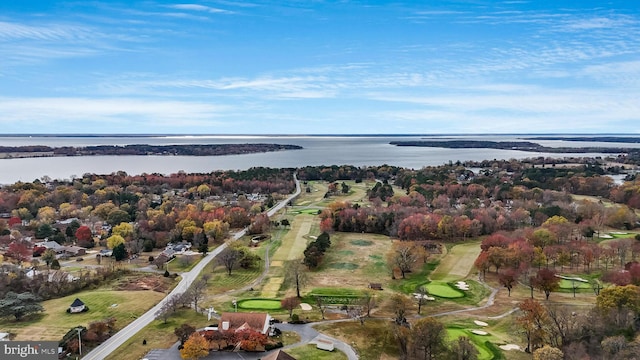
(479, 332)
(305, 306)
(508, 347)
(480, 323)
(425, 297)
(462, 285)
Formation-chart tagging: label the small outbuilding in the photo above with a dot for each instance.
(77, 307)
(324, 345)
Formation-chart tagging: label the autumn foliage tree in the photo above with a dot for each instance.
(195, 347)
(290, 304)
(547, 281)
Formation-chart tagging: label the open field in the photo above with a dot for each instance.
(294, 242)
(372, 341)
(311, 352)
(125, 306)
(458, 263)
(349, 264)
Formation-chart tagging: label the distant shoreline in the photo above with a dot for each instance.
(602, 137)
(13, 152)
(512, 145)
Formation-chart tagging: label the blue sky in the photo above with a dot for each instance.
(319, 67)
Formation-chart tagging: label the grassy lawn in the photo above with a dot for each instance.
(221, 282)
(183, 263)
(311, 352)
(125, 306)
(158, 335)
(294, 242)
(458, 263)
(372, 341)
(347, 263)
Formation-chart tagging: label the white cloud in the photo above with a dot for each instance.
(198, 7)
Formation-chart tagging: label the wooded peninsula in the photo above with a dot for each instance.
(142, 149)
(513, 145)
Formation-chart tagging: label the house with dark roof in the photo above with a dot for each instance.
(238, 321)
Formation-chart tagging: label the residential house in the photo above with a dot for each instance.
(237, 321)
(74, 250)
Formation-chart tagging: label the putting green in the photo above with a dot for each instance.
(443, 290)
(262, 304)
(567, 284)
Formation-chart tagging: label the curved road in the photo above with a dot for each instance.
(107, 347)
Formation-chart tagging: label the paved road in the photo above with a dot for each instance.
(106, 348)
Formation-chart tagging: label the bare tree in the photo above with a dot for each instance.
(295, 274)
(164, 312)
(421, 297)
(195, 293)
(322, 306)
(229, 258)
(368, 301)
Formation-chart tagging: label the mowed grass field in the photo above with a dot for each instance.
(458, 263)
(125, 306)
(353, 261)
(294, 242)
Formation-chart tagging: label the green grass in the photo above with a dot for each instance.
(304, 211)
(443, 290)
(345, 252)
(362, 242)
(311, 352)
(484, 353)
(343, 266)
(414, 280)
(568, 285)
(183, 263)
(221, 282)
(371, 340)
(336, 292)
(259, 304)
(55, 321)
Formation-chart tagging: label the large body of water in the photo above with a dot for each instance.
(318, 150)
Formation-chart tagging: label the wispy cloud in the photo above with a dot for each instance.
(52, 32)
(107, 111)
(198, 7)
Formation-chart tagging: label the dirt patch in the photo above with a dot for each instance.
(155, 283)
